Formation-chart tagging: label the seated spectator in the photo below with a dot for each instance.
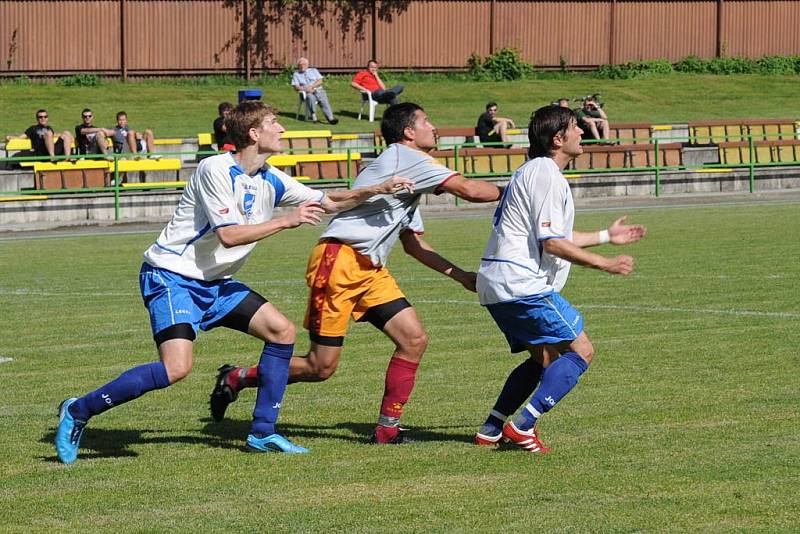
(368, 81)
(89, 138)
(126, 139)
(494, 129)
(592, 119)
(42, 138)
(308, 80)
(220, 130)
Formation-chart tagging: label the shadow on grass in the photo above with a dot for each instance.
(110, 443)
(231, 434)
(351, 432)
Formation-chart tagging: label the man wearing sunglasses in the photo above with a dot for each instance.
(90, 138)
(43, 138)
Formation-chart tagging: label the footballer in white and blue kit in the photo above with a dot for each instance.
(523, 270)
(187, 280)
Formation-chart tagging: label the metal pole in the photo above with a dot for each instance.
(122, 64)
(374, 16)
(491, 26)
(658, 171)
(612, 20)
(246, 37)
(719, 27)
(752, 163)
(116, 188)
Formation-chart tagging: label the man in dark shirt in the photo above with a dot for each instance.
(494, 129)
(592, 119)
(42, 136)
(220, 131)
(89, 138)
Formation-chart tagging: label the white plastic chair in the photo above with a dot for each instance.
(301, 103)
(366, 99)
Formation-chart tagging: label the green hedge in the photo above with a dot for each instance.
(696, 65)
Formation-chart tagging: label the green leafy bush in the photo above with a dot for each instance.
(79, 80)
(635, 69)
(505, 64)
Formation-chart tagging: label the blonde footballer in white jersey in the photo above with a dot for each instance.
(186, 279)
(523, 269)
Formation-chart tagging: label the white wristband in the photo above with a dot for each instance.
(604, 237)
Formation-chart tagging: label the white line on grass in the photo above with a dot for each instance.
(6, 360)
(650, 309)
(289, 298)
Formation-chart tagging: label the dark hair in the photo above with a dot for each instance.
(120, 114)
(372, 61)
(396, 119)
(490, 105)
(224, 106)
(546, 123)
(86, 110)
(248, 114)
(41, 111)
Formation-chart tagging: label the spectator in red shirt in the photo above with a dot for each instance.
(368, 81)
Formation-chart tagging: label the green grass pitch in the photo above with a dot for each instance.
(687, 420)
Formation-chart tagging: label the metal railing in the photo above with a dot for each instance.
(459, 164)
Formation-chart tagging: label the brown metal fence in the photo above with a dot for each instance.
(140, 37)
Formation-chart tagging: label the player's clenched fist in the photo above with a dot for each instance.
(306, 213)
(619, 265)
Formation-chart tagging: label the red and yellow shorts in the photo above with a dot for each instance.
(343, 283)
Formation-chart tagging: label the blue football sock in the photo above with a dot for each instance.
(557, 380)
(273, 373)
(131, 384)
(518, 387)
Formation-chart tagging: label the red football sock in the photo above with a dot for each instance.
(400, 377)
(250, 377)
(243, 377)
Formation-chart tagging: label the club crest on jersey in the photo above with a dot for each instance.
(249, 200)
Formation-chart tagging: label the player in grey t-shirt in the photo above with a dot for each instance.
(347, 272)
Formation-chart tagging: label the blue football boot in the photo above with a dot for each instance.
(68, 435)
(274, 443)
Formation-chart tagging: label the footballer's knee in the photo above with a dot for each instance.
(414, 343)
(323, 370)
(177, 369)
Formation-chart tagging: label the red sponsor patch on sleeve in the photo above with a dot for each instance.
(546, 224)
(224, 211)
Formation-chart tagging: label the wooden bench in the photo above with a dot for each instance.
(765, 152)
(318, 166)
(482, 161)
(307, 140)
(82, 174)
(631, 133)
(736, 130)
(632, 156)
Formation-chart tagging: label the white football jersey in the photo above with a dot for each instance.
(536, 206)
(218, 194)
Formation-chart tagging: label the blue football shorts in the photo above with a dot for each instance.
(172, 298)
(541, 319)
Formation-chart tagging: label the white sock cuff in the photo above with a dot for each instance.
(533, 411)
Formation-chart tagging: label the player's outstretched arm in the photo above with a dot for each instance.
(568, 250)
(618, 233)
(337, 201)
(244, 234)
(420, 250)
(472, 190)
